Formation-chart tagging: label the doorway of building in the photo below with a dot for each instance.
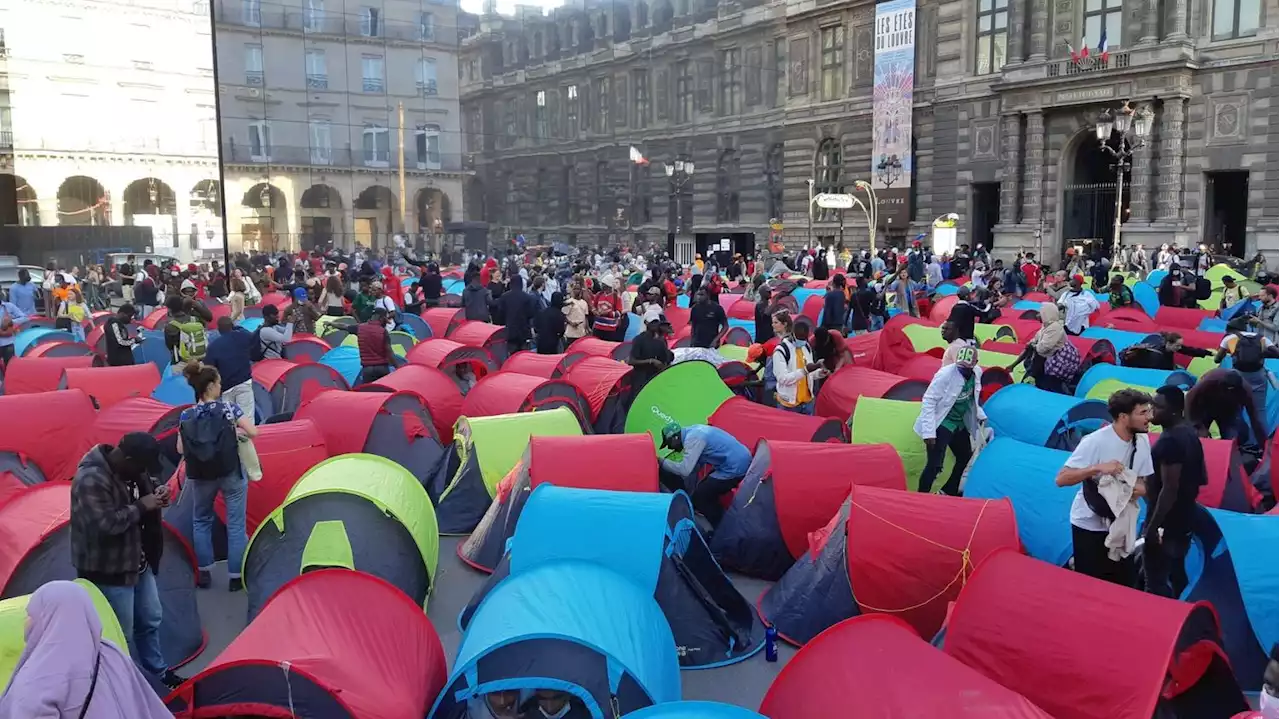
(1089, 199)
(366, 230)
(317, 232)
(985, 213)
(1226, 209)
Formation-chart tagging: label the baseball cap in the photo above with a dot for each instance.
(653, 315)
(967, 357)
(670, 431)
(143, 449)
(188, 285)
(299, 293)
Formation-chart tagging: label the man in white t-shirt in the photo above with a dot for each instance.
(1121, 445)
(1078, 304)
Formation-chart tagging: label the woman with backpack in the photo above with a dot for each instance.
(1054, 360)
(208, 440)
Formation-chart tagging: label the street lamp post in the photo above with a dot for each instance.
(890, 169)
(874, 214)
(678, 174)
(809, 239)
(1129, 129)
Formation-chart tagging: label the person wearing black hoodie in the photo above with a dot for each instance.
(518, 309)
(432, 285)
(476, 299)
(835, 307)
(764, 316)
(549, 326)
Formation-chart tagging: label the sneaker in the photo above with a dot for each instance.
(172, 679)
(203, 580)
(235, 584)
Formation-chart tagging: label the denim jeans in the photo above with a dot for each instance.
(806, 408)
(233, 487)
(139, 611)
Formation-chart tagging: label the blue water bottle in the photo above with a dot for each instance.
(770, 644)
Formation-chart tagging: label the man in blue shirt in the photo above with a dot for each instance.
(23, 294)
(229, 354)
(11, 320)
(701, 444)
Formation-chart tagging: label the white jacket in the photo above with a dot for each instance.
(944, 390)
(1117, 490)
(787, 375)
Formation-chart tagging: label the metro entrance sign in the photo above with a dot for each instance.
(832, 201)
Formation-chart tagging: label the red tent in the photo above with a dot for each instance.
(1181, 318)
(28, 375)
(281, 386)
(1229, 485)
(598, 378)
(109, 385)
(351, 644)
(791, 490)
(1024, 330)
(43, 430)
(751, 422)
(863, 662)
(941, 309)
(596, 347)
(138, 414)
(394, 425)
(813, 308)
(305, 349)
(437, 391)
(482, 335)
(443, 320)
(447, 355)
(895, 347)
(511, 392)
(678, 317)
(894, 552)
(1030, 626)
(1131, 319)
(840, 391)
(864, 348)
(741, 309)
(1037, 297)
(923, 366)
(532, 363)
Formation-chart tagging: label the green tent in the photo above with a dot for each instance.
(739, 353)
(13, 623)
(1214, 275)
(926, 337)
(358, 511)
(687, 393)
(892, 422)
(499, 441)
(1200, 365)
(990, 358)
(1107, 387)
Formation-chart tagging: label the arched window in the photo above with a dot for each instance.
(827, 171)
(773, 177)
(642, 15)
(727, 175)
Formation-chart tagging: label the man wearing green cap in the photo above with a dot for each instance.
(949, 419)
(700, 444)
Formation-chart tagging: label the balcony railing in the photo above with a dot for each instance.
(374, 84)
(239, 153)
(293, 19)
(429, 88)
(318, 82)
(1089, 65)
(6, 139)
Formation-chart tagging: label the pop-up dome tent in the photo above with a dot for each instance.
(1024, 474)
(596, 347)
(840, 392)
(280, 386)
(329, 643)
(618, 462)
(29, 338)
(139, 414)
(862, 661)
(414, 325)
(1129, 319)
(1136, 376)
(686, 393)
(892, 422)
(1121, 340)
(1229, 485)
(304, 349)
(572, 626)
(394, 425)
(1233, 566)
(356, 511)
(1028, 625)
(333, 330)
(1181, 318)
(488, 337)
(694, 710)
(449, 357)
(13, 620)
(107, 386)
(484, 450)
(891, 552)
(605, 384)
(345, 360)
(790, 490)
(42, 433)
(512, 392)
(439, 393)
(751, 422)
(35, 548)
(443, 320)
(31, 375)
(532, 363)
(286, 450)
(651, 539)
(60, 349)
(1049, 419)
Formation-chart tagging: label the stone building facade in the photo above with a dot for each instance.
(771, 99)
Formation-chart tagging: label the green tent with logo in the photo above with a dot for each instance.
(485, 450)
(685, 393)
(358, 511)
(13, 625)
(892, 422)
(926, 337)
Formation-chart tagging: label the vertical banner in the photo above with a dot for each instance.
(892, 99)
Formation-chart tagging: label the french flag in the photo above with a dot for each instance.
(1084, 49)
(1102, 45)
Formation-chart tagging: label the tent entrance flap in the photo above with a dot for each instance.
(328, 546)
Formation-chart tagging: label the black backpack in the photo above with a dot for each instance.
(1247, 356)
(209, 446)
(257, 352)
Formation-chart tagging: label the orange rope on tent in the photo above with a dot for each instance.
(966, 561)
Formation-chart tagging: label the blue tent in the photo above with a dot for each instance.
(345, 359)
(32, 336)
(153, 350)
(682, 300)
(653, 540)
(1024, 474)
(1233, 564)
(1247, 305)
(1047, 419)
(250, 324)
(1146, 297)
(568, 625)
(453, 287)
(1156, 277)
(1120, 339)
(1212, 324)
(946, 289)
(1024, 305)
(1133, 375)
(802, 294)
(634, 326)
(415, 325)
(694, 710)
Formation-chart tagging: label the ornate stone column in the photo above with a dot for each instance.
(1172, 149)
(1039, 29)
(1150, 21)
(1177, 17)
(1011, 181)
(1017, 21)
(1140, 179)
(1033, 166)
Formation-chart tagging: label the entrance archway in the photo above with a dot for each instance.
(375, 216)
(16, 193)
(265, 223)
(149, 202)
(206, 215)
(433, 210)
(82, 202)
(1089, 193)
(321, 213)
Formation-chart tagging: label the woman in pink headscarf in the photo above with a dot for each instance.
(68, 671)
